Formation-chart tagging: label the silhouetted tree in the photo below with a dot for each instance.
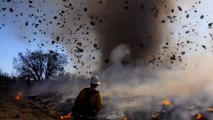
(38, 65)
(1, 72)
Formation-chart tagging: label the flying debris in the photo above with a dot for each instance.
(11, 10)
(210, 25)
(179, 8)
(134, 23)
(204, 47)
(92, 23)
(202, 16)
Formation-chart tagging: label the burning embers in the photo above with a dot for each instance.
(66, 117)
(125, 118)
(200, 116)
(210, 109)
(166, 108)
(166, 102)
(18, 96)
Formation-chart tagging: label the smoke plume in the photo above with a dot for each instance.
(134, 23)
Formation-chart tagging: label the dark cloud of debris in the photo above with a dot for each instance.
(133, 23)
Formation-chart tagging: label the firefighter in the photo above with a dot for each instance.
(88, 102)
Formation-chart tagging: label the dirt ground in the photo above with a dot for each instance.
(24, 109)
(11, 110)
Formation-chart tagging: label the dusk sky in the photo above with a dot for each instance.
(13, 41)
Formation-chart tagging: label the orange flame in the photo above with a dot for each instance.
(125, 118)
(18, 96)
(166, 102)
(199, 116)
(66, 117)
(210, 109)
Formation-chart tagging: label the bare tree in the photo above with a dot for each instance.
(38, 65)
(1, 72)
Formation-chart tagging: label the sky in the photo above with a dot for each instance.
(9, 48)
(14, 39)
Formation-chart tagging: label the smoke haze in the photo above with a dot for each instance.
(136, 87)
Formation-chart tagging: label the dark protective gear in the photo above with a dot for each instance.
(87, 105)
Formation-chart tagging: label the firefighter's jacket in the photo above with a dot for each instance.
(88, 100)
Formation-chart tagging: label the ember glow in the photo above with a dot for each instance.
(166, 102)
(210, 109)
(125, 118)
(66, 117)
(199, 116)
(18, 96)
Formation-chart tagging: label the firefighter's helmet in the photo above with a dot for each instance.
(95, 80)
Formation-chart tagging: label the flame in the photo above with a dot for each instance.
(199, 116)
(125, 118)
(166, 102)
(210, 109)
(66, 117)
(18, 96)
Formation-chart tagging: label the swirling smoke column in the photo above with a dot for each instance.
(134, 23)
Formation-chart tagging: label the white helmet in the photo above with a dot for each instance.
(95, 80)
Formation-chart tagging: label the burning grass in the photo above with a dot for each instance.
(199, 116)
(66, 116)
(19, 96)
(210, 109)
(125, 117)
(166, 102)
(48, 107)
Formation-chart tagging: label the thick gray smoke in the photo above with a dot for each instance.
(134, 23)
(142, 89)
